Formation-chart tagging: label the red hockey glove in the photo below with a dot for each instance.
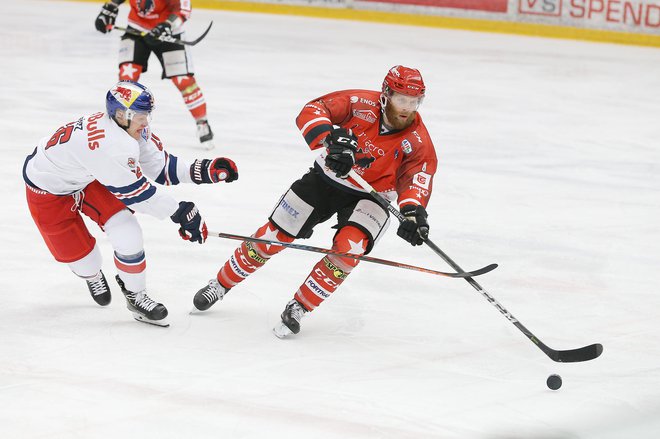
(213, 171)
(415, 229)
(193, 228)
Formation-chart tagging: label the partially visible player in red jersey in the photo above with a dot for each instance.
(380, 135)
(159, 17)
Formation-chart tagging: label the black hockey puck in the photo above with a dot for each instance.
(554, 382)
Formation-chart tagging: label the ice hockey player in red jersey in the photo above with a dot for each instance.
(159, 18)
(97, 165)
(380, 135)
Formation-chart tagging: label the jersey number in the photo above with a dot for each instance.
(62, 135)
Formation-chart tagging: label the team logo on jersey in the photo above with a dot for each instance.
(145, 6)
(131, 162)
(367, 115)
(422, 179)
(354, 99)
(406, 147)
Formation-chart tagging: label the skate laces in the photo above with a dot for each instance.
(141, 300)
(213, 292)
(97, 285)
(296, 311)
(203, 128)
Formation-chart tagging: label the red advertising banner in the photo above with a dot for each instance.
(478, 5)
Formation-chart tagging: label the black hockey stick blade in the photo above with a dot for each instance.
(585, 353)
(310, 248)
(165, 38)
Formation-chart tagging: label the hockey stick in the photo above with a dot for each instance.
(585, 353)
(309, 248)
(165, 38)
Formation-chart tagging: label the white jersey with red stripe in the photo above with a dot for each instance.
(94, 147)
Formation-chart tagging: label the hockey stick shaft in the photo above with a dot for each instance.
(166, 38)
(563, 356)
(310, 248)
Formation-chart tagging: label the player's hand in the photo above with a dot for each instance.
(160, 31)
(415, 229)
(193, 228)
(213, 171)
(341, 145)
(106, 18)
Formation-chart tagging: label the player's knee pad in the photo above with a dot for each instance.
(89, 265)
(293, 216)
(267, 231)
(348, 239)
(124, 233)
(371, 219)
(129, 71)
(185, 83)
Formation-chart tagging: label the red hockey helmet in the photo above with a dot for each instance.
(404, 80)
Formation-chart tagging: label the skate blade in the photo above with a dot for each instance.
(140, 318)
(281, 331)
(208, 145)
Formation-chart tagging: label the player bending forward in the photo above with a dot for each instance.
(382, 137)
(95, 165)
(159, 18)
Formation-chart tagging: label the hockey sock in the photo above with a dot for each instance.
(89, 266)
(332, 270)
(192, 95)
(251, 256)
(132, 270)
(129, 71)
(125, 235)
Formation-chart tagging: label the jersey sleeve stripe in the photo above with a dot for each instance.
(408, 201)
(168, 175)
(313, 121)
(312, 137)
(136, 192)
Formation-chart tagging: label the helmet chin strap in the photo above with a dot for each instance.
(129, 119)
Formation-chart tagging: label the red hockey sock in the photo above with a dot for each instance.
(331, 271)
(251, 256)
(129, 71)
(192, 95)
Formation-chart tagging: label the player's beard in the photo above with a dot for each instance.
(395, 121)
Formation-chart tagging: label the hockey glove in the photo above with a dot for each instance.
(106, 18)
(415, 229)
(213, 171)
(161, 31)
(341, 146)
(193, 228)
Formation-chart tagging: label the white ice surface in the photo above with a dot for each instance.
(549, 165)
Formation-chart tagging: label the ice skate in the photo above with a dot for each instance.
(99, 289)
(143, 308)
(291, 316)
(207, 296)
(205, 134)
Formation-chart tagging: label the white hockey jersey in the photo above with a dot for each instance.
(94, 147)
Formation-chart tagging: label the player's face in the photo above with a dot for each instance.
(401, 109)
(139, 121)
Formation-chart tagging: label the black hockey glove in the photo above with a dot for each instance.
(213, 171)
(415, 228)
(193, 228)
(106, 18)
(341, 145)
(163, 29)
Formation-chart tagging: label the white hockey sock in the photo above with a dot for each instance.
(89, 266)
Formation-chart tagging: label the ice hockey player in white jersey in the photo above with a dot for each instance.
(98, 165)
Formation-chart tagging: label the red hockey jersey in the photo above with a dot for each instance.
(404, 161)
(146, 14)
